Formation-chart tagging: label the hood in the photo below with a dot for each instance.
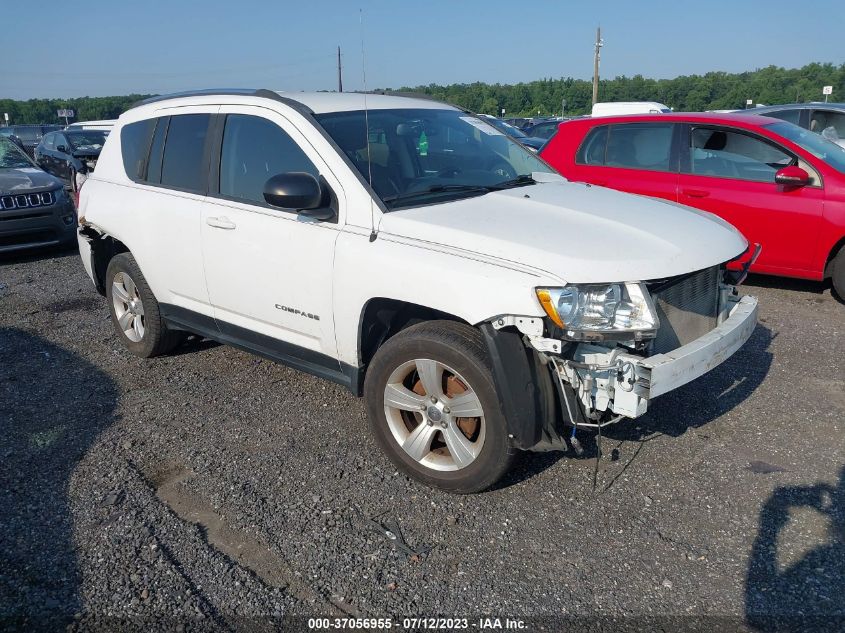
(92, 151)
(26, 180)
(577, 232)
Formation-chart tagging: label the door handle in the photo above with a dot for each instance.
(221, 223)
(696, 193)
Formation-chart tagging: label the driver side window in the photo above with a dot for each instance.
(726, 154)
(255, 149)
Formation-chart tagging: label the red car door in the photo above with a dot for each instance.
(635, 157)
(730, 172)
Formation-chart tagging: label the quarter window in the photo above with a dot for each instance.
(182, 166)
(592, 149)
(134, 142)
(725, 154)
(254, 150)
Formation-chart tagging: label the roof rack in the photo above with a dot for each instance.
(244, 92)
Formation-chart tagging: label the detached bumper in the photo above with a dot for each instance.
(662, 373)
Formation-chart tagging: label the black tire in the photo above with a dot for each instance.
(461, 348)
(838, 274)
(157, 339)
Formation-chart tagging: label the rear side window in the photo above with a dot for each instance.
(134, 142)
(182, 165)
(640, 146)
(254, 150)
(593, 147)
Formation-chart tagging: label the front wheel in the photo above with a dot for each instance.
(434, 410)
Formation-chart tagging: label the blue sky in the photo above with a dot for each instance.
(113, 47)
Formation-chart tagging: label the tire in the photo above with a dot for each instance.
(459, 454)
(134, 310)
(838, 274)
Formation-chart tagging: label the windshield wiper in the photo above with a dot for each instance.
(435, 189)
(519, 181)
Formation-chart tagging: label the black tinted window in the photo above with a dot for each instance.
(182, 166)
(793, 116)
(134, 142)
(592, 149)
(255, 149)
(640, 146)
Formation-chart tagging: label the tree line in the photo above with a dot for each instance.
(689, 93)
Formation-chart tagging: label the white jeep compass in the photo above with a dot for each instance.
(408, 250)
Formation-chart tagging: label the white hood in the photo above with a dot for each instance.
(577, 232)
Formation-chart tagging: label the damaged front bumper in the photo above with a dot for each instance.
(613, 381)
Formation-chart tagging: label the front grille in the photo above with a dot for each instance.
(27, 200)
(688, 308)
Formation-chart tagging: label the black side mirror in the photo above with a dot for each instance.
(293, 190)
(62, 149)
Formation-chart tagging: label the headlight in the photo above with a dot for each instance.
(581, 309)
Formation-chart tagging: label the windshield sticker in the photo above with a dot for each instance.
(481, 125)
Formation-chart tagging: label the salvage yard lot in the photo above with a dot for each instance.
(215, 485)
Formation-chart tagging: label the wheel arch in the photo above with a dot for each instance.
(828, 265)
(383, 317)
(103, 248)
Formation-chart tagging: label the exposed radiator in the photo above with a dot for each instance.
(688, 308)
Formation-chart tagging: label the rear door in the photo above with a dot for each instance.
(639, 158)
(730, 172)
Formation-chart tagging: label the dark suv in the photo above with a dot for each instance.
(70, 154)
(35, 209)
(29, 135)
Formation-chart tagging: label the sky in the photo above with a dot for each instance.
(114, 47)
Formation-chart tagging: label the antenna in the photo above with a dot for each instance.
(373, 232)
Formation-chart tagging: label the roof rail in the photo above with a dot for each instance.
(244, 92)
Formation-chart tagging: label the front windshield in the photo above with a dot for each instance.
(507, 128)
(86, 139)
(11, 157)
(420, 156)
(821, 148)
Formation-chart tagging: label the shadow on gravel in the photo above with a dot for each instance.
(53, 405)
(788, 593)
(788, 283)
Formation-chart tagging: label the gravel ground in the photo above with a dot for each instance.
(211, 489)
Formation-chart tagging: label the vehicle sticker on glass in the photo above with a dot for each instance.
(481, 125)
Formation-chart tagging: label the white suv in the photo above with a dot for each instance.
(408, 250)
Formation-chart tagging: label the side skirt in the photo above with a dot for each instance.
(273, 349)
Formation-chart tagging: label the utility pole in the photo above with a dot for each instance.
(339, 75)
(596, 59)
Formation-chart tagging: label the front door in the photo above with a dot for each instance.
(730, 172)
(269, 270)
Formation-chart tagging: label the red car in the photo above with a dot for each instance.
(781, 185)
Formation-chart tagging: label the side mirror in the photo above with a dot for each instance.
(792, 176)
(293, 190)
(62, 149)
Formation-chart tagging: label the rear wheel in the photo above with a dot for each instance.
(434, 409)
(135, 311)
(838, 274)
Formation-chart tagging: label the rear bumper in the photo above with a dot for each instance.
(662, 373)
(22, 229)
